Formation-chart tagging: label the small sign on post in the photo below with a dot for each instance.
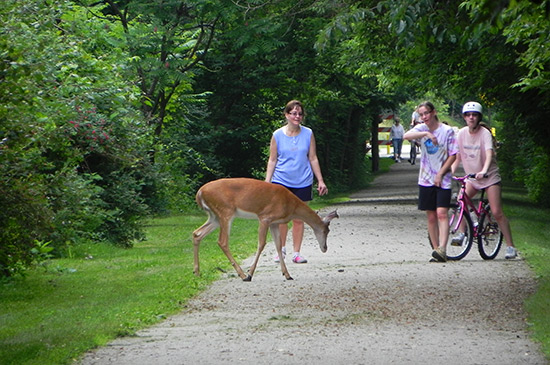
(384, 137)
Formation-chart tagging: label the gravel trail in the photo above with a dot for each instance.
(373, 298)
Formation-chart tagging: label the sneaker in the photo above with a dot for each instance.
(458, 239)
(439, 254)
(299, 259)
(276, 257)
(511, 252)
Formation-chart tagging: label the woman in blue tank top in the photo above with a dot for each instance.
(293, 163)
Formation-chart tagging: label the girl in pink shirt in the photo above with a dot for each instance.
(477, 154)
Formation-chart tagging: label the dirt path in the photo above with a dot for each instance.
(373, 298)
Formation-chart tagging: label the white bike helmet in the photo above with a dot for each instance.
(472, 106)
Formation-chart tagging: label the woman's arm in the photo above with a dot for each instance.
(272, 161)
(446, 167)
(316, 167)
(488, 158)
(414, 134)
(455, 164)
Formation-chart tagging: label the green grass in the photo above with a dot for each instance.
(531, 232)
(58, 312)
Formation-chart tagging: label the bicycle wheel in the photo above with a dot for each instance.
(457, 251)
(489, 238)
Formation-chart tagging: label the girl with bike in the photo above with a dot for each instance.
(438, 150)
(477, 154)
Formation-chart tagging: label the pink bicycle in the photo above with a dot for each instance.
(479, 223)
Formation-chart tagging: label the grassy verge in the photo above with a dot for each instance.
(60, 311)
(531, 231)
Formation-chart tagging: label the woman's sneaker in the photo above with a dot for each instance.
(276, 257)
(439, 254)
(299, 259)
(458, 239)
(511, 252)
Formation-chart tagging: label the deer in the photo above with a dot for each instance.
(271, 204)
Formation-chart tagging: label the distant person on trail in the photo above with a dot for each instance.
(438, 152)
(477, 154)
(415, 119)
(396, 137)
(293, 163)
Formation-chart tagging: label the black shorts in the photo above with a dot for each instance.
(433, 197)
(305, 194)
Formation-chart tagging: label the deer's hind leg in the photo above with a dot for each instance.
(198, 234)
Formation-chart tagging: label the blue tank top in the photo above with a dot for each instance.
(293, 168)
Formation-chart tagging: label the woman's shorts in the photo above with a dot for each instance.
(305, 194)
(433, 197)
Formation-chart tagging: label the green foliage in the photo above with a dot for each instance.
(41, 252)
(248, 95)
(521, 159)
(456, 48)
(52, 187)
(531, 230)
(112, 110)
(23, 219)
(538, 180)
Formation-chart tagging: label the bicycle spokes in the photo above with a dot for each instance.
(489, 238)
(461, 234)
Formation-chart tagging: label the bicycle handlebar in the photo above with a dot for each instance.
(465, 177)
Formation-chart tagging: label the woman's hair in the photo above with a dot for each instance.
(495, 142)
(293, 104)
(428, 105)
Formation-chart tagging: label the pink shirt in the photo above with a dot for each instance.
(473, 152)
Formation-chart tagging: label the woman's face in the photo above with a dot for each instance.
(472, 119)
(295, 116)
(426, 115)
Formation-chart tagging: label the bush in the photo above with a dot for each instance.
(523, 161)
(24, 217)
(538, 179)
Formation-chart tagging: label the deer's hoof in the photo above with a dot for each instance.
(289, 278)
(248, 278)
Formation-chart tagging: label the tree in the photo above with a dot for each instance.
(455, 48)
(265, 59)
(166, 42)
(70, 136)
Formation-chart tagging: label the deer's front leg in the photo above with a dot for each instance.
(262, 238)
(223, 242)
(274, 228)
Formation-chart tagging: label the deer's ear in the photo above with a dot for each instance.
(331, 216)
